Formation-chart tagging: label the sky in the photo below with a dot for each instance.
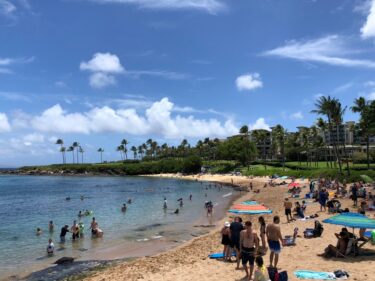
(99, 71)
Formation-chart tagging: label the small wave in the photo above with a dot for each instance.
(142, 240)
(156, 237)
(228, 194)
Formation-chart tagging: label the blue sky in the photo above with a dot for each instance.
(98, 71)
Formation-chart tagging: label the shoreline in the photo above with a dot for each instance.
(116, 254)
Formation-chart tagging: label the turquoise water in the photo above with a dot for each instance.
(28, 202)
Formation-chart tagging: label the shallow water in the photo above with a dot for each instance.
(28, 202)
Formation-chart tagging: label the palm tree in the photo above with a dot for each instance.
(244, 131)
(337, 118)
(124, 142)
(134, 150)
(101, 150)
(62, 150)
(323, 127)
(326, 106)
(81, 150)
(261, 138)
(71, 149)
(61, 143)
(363, 107)
(121, 149)
(75, 146)
(140, 151)
(278, 133)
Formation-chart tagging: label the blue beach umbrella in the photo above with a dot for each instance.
(353, 220)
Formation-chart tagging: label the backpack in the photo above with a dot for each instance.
(318, 229)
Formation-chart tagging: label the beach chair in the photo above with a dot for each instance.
(351, 248)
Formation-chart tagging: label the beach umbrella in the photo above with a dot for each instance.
(353, 220)
(294, 184)
(366, 179)
(249, 208)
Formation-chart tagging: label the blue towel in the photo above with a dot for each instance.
(307, 274)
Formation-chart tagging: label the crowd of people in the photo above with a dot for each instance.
(249, 246)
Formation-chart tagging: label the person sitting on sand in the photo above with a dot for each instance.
(226, 241)
(50, 247)
(38, 231)
(123, 208)
(249, 244)
(342, 244)
(299, 211)
(275, 240)
(288, 209)
(260, 273)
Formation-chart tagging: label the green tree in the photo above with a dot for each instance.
(124, 143)
(71, 149)
(261, 137)
(278, 134)
(366, 122)
(81, 151)
(101, 150)
(61, 143)
(134, 150)
(75, 147)
(326, 106)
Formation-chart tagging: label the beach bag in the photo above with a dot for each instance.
(341, 274)
(308, 233)
(318, 230)
(283, 276)
(273, 274)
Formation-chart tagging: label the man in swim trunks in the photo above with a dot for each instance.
(275, 240)
(235, 230)
(288, 209)
(249, 244)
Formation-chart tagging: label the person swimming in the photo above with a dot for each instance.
(67, 198)
(177, 211)
(51, 226)
(123, 208)
(38, 231)
(165, 203)
(129, 201)
(80, 214)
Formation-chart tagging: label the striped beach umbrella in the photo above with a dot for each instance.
(353, 220)
(249, 208)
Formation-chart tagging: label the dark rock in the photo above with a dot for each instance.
(64, 260)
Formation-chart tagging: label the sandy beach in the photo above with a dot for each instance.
(190, 260)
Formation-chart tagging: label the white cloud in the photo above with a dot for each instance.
(296, 115)
(158, 73)
(102, 66)
(100, 80)
(260, 123)
(103, 62)
(211, 6)
(343, 88)
(332, 50)
(7, 8)
(158, 120)
(368, 29)
(4, 123)
(371, 96)
(249, 82)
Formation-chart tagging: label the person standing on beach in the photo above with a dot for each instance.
(50, 247)
(275, 240)
(51, 226)
(235, 230)
(249, 244)
(262, 230)
(323, 196)
(288, 209)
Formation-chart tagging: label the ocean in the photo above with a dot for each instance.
(28, 202)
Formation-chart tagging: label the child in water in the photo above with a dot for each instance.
(50, 247)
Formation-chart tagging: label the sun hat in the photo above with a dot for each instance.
(227, 224)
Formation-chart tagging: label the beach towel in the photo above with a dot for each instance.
(307, 274)
(219, 255)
